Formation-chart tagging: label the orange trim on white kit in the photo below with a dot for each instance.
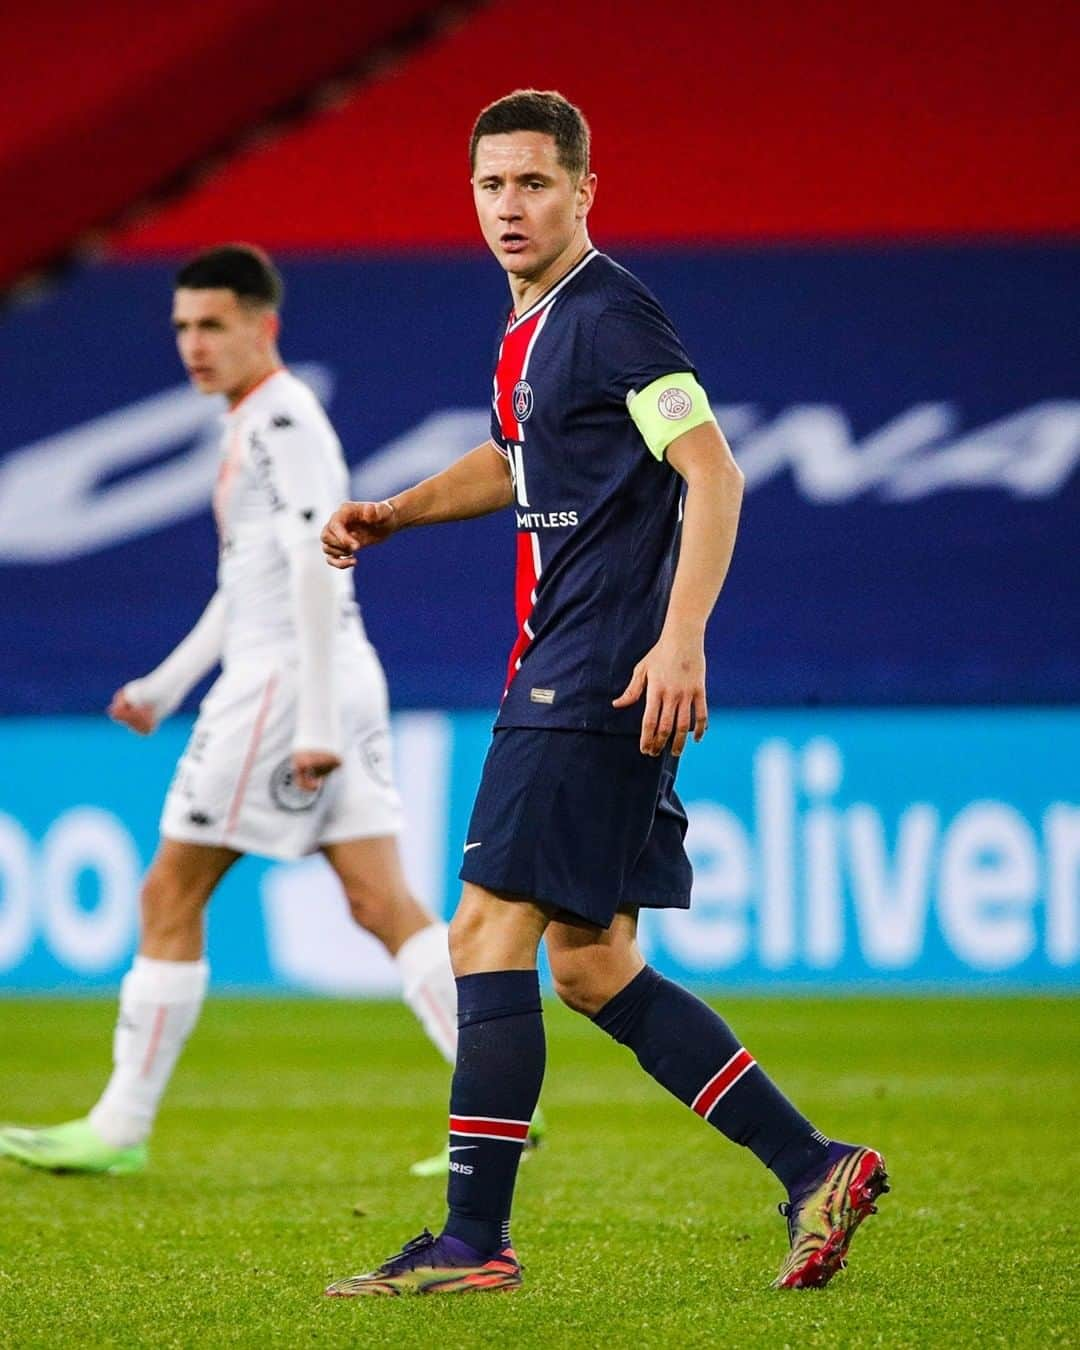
(155, 1038)
(278, 370)
(230, 465)
(249, 758)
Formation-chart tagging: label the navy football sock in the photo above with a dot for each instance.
(496, 1085)
(693, 1053)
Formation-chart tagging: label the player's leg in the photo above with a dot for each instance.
(501, 1056)
(548, 831)
(160, 1000)
(381, 902)
(687, 1047)
(496, 1085)
(690, 1050)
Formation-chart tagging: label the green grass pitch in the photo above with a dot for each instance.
(281, 1156)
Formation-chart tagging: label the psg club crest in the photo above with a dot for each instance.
(522, 400)
(675, 404)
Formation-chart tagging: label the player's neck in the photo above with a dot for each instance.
(259, 376)
(526, 291)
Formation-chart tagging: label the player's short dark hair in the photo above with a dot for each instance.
(544, 110)
(241, 268)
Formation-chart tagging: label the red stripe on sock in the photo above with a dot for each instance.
(501, 1129)
(714, 1089)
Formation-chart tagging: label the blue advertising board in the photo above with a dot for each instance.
(886, 849)
(907, 418)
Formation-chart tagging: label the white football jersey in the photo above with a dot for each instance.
(282, 476)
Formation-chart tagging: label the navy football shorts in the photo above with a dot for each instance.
(579, 820)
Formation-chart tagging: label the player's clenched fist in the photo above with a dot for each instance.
(310, 767)
(139, 717)
(355, 525)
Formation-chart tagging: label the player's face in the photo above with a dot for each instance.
(225, 345)
(531, 211)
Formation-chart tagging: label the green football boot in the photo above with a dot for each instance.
(434, 1265)
(438, 1165)
(72, 1147)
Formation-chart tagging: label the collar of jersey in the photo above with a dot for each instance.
(255, 389)
(550, 295)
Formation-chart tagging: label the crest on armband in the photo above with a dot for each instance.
(674, 404)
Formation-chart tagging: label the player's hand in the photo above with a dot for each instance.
(672, 677)
(356, 525)
(310, 767)
(138, 717)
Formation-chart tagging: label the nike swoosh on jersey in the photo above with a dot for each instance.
(469, 846)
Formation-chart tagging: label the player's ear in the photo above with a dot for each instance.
(586, 194)
(272, 325)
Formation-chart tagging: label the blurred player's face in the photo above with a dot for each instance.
(226, 346)
(532, 213)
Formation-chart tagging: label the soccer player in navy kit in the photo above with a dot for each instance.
(627, 501)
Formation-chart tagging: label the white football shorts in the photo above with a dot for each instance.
(233, 786)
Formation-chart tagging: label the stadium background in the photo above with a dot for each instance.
(865, 225)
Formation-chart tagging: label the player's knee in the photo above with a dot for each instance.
(578, 979)
(371, 906)
(167, 907)
(466, 937)
(587, 976)
(489, 933)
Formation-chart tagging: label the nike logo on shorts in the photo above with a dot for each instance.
(462, 1148)
(469, 846)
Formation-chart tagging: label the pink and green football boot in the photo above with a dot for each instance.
(824, 1212)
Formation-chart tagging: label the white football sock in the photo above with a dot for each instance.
(428, 986)
(160, 1003)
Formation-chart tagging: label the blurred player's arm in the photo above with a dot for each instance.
(141, 704)
(317, 738)
(672, 673)
(475, 485)
(298, 505)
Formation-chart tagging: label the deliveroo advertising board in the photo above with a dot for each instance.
(831, 849)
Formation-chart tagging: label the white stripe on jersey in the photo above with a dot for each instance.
(548, 296)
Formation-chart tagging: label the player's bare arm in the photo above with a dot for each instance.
(672, 673)
(143, 704)
(475, 485)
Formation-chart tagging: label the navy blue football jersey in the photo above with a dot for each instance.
(597, 514)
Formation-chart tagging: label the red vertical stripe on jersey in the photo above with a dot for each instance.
(525, 580)
(508, 371)
(512, 353)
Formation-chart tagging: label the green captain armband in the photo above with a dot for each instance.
(668, 407)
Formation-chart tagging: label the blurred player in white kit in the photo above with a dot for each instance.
(291, 750)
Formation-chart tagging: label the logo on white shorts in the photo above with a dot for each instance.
(674, 404)
(287, 793)
(376, 754)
